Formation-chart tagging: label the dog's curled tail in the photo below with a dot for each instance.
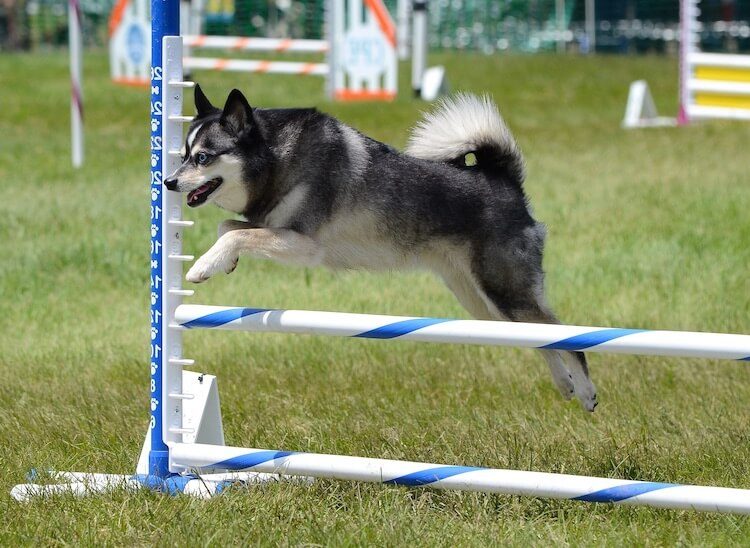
(465, 124)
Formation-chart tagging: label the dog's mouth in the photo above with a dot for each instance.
(200, 195)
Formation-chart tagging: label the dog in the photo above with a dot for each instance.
(314, 191)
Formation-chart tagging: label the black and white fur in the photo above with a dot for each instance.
(313, 191)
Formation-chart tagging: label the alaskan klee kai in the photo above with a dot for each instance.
(313, 191)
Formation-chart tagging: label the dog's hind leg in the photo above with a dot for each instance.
(510, 276)
(575, 362)
(278, 244)
(529, 307)
(468, 292)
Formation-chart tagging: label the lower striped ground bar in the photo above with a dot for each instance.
(530, 335)
(206, 458)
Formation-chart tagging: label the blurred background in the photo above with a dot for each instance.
(487, 26)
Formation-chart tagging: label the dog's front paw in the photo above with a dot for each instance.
(220, 258)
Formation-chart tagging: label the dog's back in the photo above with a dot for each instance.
(414, 207)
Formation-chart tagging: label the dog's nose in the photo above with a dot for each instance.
(171, 184)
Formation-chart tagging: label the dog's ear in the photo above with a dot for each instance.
(238, 113)
(202, 105)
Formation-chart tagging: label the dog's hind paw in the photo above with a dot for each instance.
(564, 384)
(590, 404)
(560, 375)
(587, 396)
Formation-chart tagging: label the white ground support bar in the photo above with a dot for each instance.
(203, 486)
(529, 335)
(250, 65)
(464, 478)
(243, 43)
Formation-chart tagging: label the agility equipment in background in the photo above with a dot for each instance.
(360, 50)
(130, 43)
(640, 110)
(363, 60)
(712, 85)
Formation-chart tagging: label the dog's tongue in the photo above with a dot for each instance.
(195, 194)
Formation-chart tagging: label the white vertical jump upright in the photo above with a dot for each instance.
(403, 10)
(712, 85)
(184, 450)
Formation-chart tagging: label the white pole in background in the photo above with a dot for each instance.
(76, 92)
(334, 27)
(591, 25)
(689, 40)
(560, 17)
(402, 29)
(419, 45)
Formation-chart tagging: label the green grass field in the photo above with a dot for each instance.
(647, 229)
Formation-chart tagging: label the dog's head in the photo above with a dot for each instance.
(224, 156)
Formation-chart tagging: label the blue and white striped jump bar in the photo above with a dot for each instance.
(462, 478)
(530, 335)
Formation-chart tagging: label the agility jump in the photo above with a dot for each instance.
(712, 85)
(238, 44)
(184, 450)
(359, 48)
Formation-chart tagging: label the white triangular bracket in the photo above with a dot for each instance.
(640, 110)
(201, 414)
(434, 83)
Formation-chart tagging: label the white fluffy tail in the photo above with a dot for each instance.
(466, 123)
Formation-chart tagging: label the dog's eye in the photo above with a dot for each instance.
(202, 158)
